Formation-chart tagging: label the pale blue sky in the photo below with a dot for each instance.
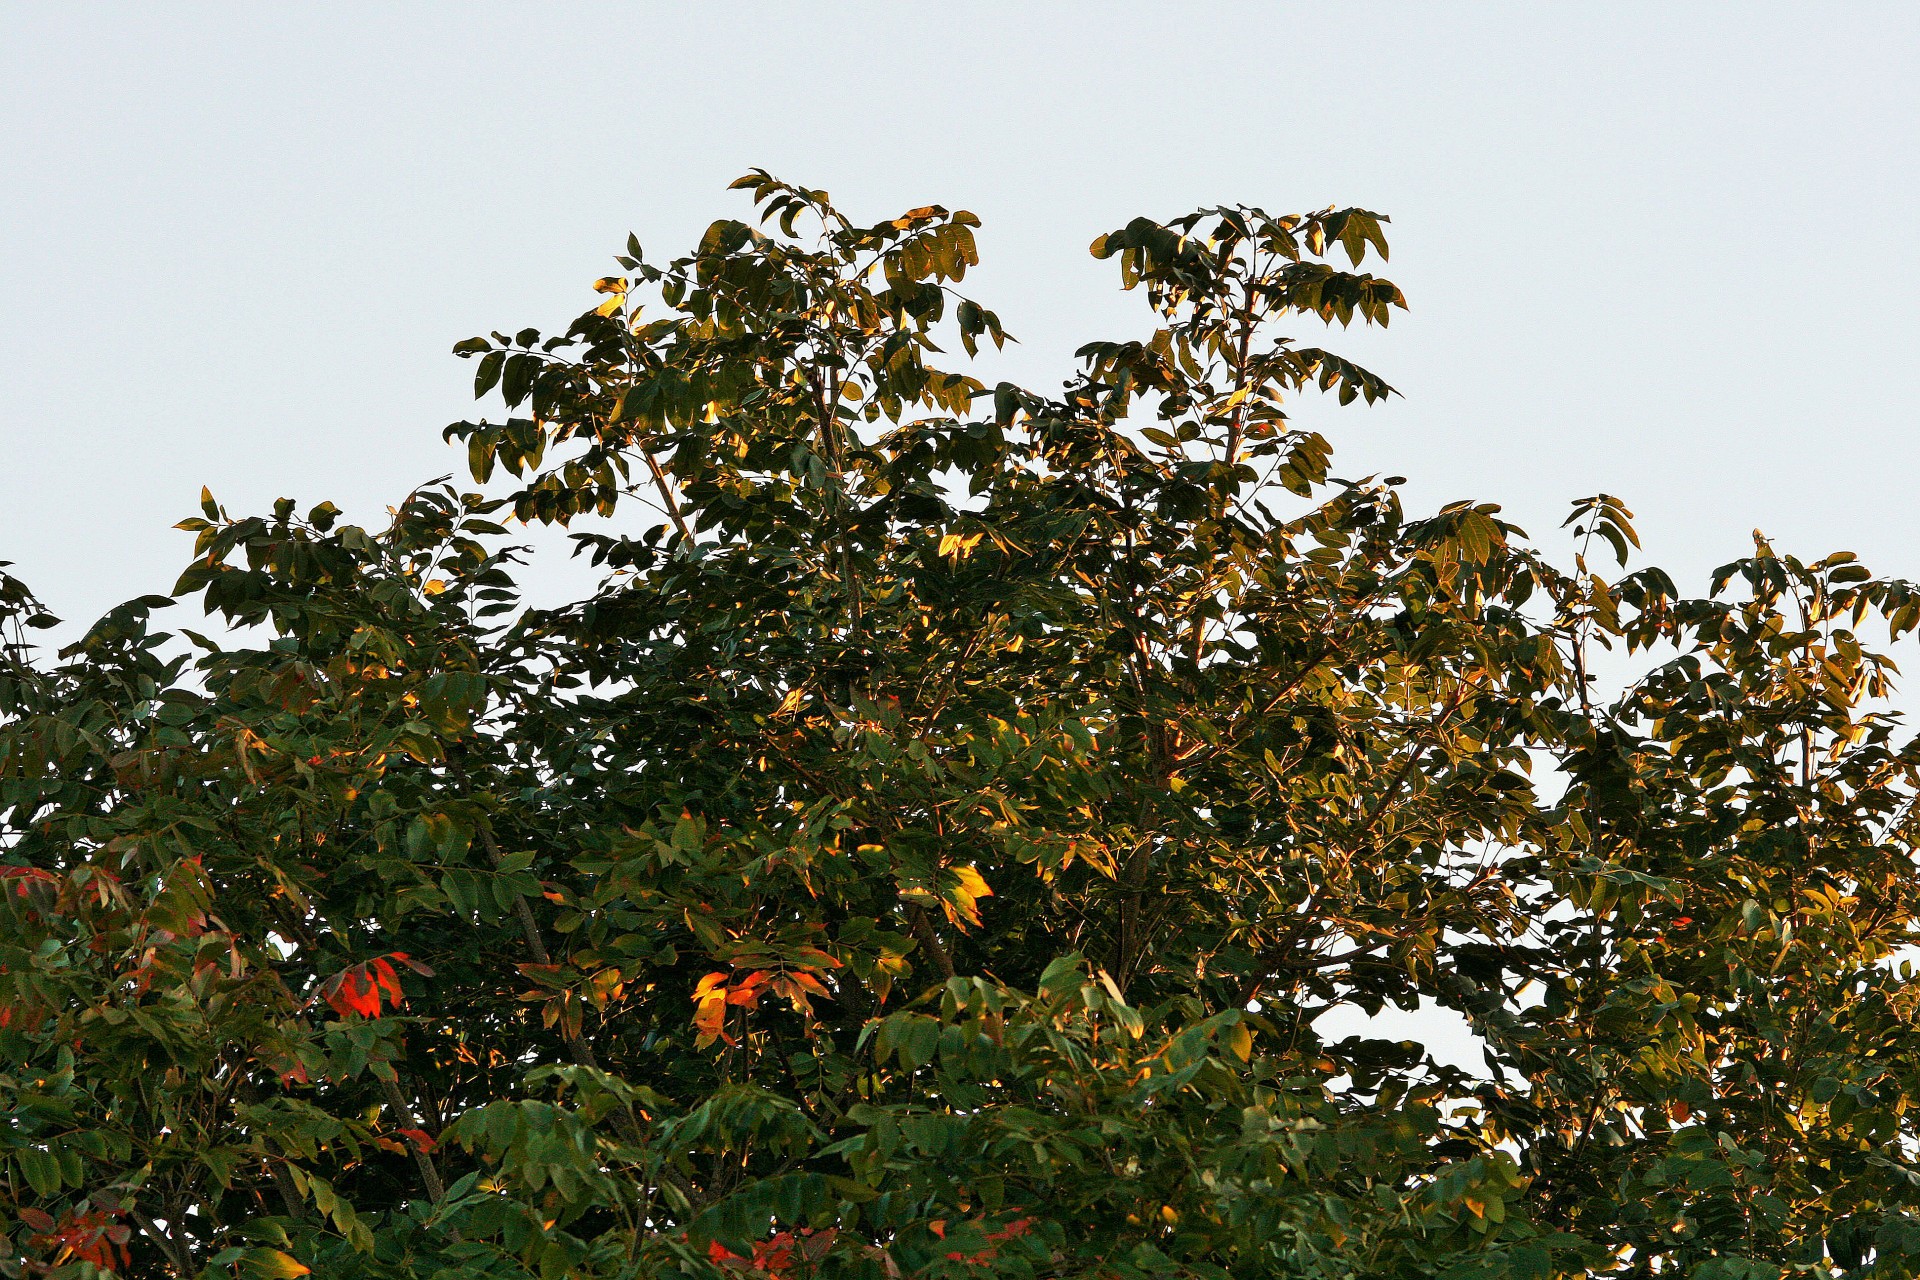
(1660, 250)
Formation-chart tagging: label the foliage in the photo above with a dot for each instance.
(931, 850)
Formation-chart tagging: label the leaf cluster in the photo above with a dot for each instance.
(934, 847)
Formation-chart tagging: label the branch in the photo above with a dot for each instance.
(436, 1189)
(923, 930)
(667, 499)
(537, 947)
(577, 1046)
(175, 1251)
(289, 1193)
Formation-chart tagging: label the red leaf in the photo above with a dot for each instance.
(350, 991)
(424, 970)
(389, 982)
(89, 1237)
(418, 1137)
(357, 989)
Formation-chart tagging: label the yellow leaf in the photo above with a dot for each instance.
(960, 900)
(271, 1264)
(971, 883)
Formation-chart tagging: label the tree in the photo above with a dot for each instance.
(931, 849)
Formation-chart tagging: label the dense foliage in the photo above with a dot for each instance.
(930, 851)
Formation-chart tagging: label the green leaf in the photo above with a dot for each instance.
(271, 1264)
(487, 375)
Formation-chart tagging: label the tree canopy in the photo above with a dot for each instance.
(932, 848)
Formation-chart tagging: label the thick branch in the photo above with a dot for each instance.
(175, 1251)
(923, 930)
(436, 1189)
(289, 1193)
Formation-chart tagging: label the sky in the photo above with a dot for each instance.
(1661, 251)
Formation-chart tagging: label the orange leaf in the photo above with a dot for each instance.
(746, 992)
(809, 982)
(710, 1019)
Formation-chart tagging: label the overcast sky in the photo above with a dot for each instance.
(1664, 251)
